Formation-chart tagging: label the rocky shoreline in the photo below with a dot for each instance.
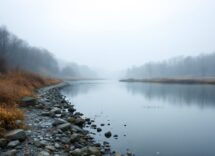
(54, 128)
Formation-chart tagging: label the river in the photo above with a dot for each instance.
(149, 119)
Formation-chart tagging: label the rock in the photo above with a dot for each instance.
(41, 143)
(50, 148)
(74, 137)
(76, 152)
(78, 114)
(10, 153)
(45, 114)
(79, 121)
(72, 147)
(87, 119)
(78, 129)
(71, 110)
(94, 151)
(99, 129)
(14, 143)
(71, 120)
(93, 126)
(3, 142)
(64, 127)
(56, 145)
(59, 122)
(108, 134)
(115, 136)
(102, 124)
(55, 110)
(106, 143)
(28, 101)
(65, 140)
(17, 134)
(43, 153)
(19, 123)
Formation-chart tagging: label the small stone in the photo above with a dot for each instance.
(79, 121)
(58, 122)
(74, 137)
(93, 126)
(41, 143)
(45, 114)
(71, 109)
(43, 153)
(50, 148)
(56, 145)
(94, 151)
(108, 134)
(115, 136)
(76, 152)
(102, 124)
(14, 143)
(71, 120)
(99, 129)
(56, 110)
(64, 127)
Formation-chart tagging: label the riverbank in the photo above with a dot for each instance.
(53, 127)
(173, 80)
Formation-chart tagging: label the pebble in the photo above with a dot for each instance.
(108, 134)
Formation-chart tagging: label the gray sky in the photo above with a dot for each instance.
(113, 34)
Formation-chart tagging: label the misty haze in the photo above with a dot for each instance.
(107, 78)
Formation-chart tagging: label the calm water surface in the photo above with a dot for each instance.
(161, 119)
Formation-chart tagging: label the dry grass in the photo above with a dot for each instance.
(8, 116)
(14, 86)
(17, 84)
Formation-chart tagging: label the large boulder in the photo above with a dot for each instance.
(17, 134)
(28, 101)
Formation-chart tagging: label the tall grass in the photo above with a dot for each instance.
(15, 85)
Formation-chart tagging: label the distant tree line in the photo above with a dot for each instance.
(198, 66)
(16, 53)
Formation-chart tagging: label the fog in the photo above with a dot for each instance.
(199, 66)
(115, 34)
(16, 53)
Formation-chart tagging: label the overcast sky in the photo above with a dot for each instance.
(113, 34)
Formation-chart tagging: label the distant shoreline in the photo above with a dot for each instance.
(173, 80)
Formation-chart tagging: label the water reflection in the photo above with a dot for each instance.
(200, 95)
(171, 131)
(79, 87)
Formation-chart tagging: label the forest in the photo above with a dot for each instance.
(16, 53)
(178, 67)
